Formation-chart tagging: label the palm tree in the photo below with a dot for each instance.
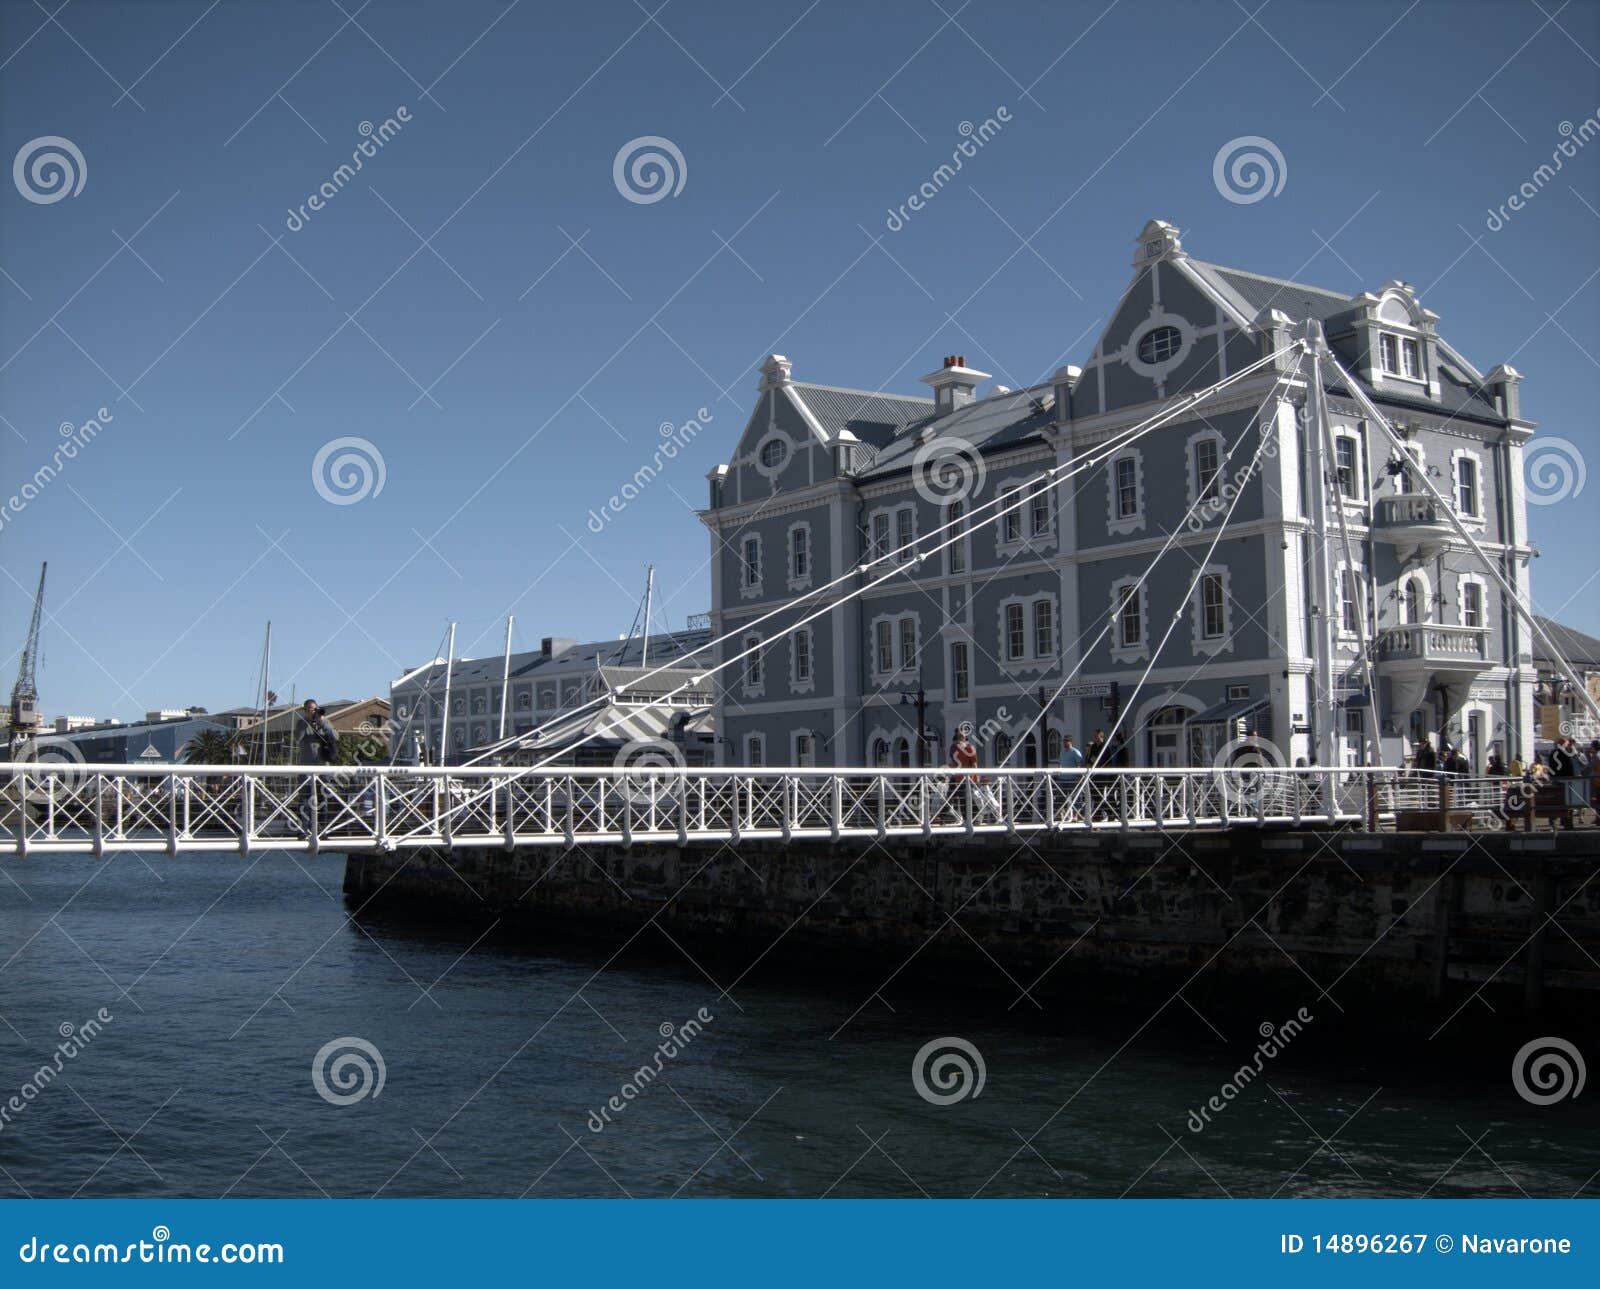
(210, 747)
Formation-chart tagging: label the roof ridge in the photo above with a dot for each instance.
(865, 393)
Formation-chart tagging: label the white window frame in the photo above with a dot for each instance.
(1415, 461)
(1192, 462)
(960, 677)
(753, 667)
(1205, 645)
(751, 589)
(878, 545)
(900, 665)
(794, 748)
(1009, 514)
(1426, 601)
(1042, 494)
(1140, 649)
(1116, 523)
(1358, 468)
(1463, 581)
(905, 533)
(758, 742)
(1456, 458)
(799, 581)
(1386, 339)
(956, 554)
(1411, 349)
(1351, 638)
(799, 684)
(1030, 659)
(908, 651)
(1042, 602)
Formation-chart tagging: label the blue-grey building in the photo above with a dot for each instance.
(1339, 617)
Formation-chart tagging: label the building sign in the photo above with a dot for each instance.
(1102, 690)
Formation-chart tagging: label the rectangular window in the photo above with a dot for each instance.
(1011, 515)
(1471, 604)
(954, 514)
(1389, 351)
(1349, 611)
(801, 564)
(908, 643)
(752, 561)
(1207, 468)
(1347, 467)
(752, 662)
(1016, 633)
(1354, 722)
(880, 536)
(754, 750)
(1411, 359)
(1041, 512)
(1467, 486)
(802, 655)
(903, 532)
(885, 632)
(1044, 629)
(1238, 691)
(803, 754)
(1213, 607)
(960, 673)
(1127, 488)
(1131, 622)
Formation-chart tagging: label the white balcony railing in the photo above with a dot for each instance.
(1433, 642)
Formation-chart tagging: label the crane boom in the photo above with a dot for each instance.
(25, 693)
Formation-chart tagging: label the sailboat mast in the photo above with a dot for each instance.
(266, 692)
(505, 677)
(449, 672)
(649, 588)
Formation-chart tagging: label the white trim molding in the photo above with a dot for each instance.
(800, 581)
(1458, 455)
(753, 686)
(1119, 525)
(1031, 659)
(751, 590)
(1139, 651)
(1211, 646)
(799, 684)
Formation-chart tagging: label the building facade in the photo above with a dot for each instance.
(1082, 601)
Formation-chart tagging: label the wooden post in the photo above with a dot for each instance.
(1372, 803)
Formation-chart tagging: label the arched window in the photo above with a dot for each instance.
(1002, 748)
(1166, 735)
(1052, 747)
(880, 751)
(902, 751)
(1413, 602)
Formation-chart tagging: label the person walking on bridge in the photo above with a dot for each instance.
(316, 743)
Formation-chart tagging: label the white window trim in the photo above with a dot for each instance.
(755, 740)
(1463, 581)
(796, 684)
(1428, 604)
(1363, 483)
(759, 689)
(752, 590)
(794, 745)
(1351, 639)
(1211, 647)
(767, 472)
(1412, 449)
(1022, 495)
(950, 672)
(1139, 651)
(1030, 660)
(904, 668)
(800, 583)
(1134, 523)
(1478, 520)
(892, 513)
(959, 538)
(1213, 508)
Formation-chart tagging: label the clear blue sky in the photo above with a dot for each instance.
(193, 518)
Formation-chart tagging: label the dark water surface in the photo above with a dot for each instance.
(224, 978)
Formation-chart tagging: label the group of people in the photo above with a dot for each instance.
(1564, 763)
(963, 757)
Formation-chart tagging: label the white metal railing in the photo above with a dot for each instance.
(65, 807)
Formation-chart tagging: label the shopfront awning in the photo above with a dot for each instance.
(1232, 709)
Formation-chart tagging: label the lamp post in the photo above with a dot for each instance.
(921, 704)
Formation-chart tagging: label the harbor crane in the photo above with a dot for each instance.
(25, 693)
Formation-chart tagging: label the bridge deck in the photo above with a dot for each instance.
(59, 807)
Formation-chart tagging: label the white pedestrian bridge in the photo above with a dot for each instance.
(63, 807)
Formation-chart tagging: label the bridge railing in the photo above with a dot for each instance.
(62, 806)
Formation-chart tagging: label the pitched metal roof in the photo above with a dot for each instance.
(874, 418)
(665, 649)
(989, 425)
(1574, 646)
(1258, 292)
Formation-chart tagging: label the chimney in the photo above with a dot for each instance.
(953, 384)
(1504, 386)
(555, 646)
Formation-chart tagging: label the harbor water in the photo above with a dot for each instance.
(209, 1025)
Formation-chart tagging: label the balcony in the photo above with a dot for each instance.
(1419, 655)
(1417, 524)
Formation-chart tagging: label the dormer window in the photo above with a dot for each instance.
(1389, 349)
(1159, 344)
(1410, 360)
(1400, 356)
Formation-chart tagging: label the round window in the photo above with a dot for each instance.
(1159, 344)
(774, 452)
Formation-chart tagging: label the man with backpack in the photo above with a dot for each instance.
(317, 743)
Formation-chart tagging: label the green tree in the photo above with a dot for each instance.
(210, 747)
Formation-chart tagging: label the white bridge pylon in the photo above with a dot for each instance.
(51, 808)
